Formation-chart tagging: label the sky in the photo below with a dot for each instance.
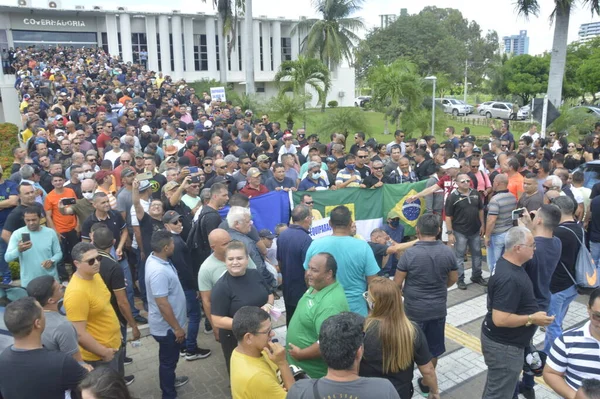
(498, 15)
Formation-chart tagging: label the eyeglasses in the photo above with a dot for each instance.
(474, 166)
(92, 261)
(125, 160)
(268, 332)
(378, 168)
(532, 246)
(247, 163)
(465, 181)
(504, 145)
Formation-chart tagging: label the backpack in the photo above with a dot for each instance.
(586, 272)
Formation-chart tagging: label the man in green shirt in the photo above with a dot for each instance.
(324, 298)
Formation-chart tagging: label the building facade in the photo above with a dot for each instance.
(589, 31)
(516, 44)
(181, 45)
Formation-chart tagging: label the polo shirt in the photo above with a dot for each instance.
(344, 175)
(464, 211)
(114, 221)
(312, 310)
(501, 205)
(162, 281)
(576, 354)
(252, 192)
(307, 183)
(292, 245)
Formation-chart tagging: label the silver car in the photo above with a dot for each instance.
(499, 110)
(454, 107)
(481, 108)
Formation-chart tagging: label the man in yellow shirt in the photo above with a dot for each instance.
(87, 302)
(255, 361)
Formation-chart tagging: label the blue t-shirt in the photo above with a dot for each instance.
(397, 235)
(7, 189)
(541, 267)
(355, 262)
(308, 183)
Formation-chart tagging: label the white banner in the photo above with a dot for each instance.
(218, 94)
(321, 228)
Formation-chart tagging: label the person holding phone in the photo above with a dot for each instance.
(37, 259)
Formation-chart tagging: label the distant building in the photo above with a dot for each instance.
(589, 31)
(386, 20)
(516, 44)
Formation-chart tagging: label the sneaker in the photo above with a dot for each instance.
(181, 381)
(127, 361)
(6, 280)
(479, 280)
(182, 352)
(199, 353)
(461, 285)
(527, 392)
(129, 379)
(208, 330)
(140, 319)
(424, 388)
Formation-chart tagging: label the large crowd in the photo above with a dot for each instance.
(111, 208)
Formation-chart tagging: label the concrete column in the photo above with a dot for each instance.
(211, 44)
(151, 42)
(165, 47)
(111, 34)
(256, 48)
(177, 45)
(295, 45)
(188, 42)
(125, 22)
(276, 33)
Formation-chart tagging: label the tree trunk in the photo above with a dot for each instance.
(223, 64)
(249, 56)
(559, 55)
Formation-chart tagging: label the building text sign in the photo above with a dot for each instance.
(53, 22)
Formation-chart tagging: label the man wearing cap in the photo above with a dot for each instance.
(116, 150)
(254, 187)
(279, 181)
(181, 259)
(263, 162)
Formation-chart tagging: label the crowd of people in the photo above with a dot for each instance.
(111, 208)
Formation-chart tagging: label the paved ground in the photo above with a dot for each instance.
(461, 370)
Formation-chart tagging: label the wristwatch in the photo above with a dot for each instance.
(529, 321)
(450, 232)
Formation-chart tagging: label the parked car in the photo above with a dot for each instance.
(481, 108)
(590, 110)
(523, 112)
(500, 110)
(591, 173)
(453, 106)
(470, 108)
(360, 101)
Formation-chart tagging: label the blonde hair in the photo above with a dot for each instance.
(396, 331)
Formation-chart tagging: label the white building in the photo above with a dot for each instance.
(181, 45)
(589, 31)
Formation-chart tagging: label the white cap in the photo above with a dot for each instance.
(207, 124)
(146, 129)
(451, 163)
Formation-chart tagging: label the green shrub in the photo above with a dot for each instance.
(9, 139)
(332, 104)
(15, 270)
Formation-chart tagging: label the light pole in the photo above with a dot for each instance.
(434, 79)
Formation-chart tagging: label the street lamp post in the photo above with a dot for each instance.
(434, 79)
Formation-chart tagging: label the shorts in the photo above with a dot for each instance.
(434, 332)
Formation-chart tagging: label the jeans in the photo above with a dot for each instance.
(141, 278)
(495, 250)
(123, 338)
(460, 248)
(168, 356)
(559, 304)
(595, 251)
(116, 363)
(504, 363)
(4, 269)
(193, 314)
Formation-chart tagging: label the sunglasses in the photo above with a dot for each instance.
(125, 160)
(247, 163)
(92, 261)
(178, 221)
(309, 202)
(363, 156)
(208, 164)
(474, 166)
(378, 168)
(546, 188)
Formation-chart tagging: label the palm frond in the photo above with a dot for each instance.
(527, 7)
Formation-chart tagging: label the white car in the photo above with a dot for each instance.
(481, 108)
(499, 110)
(360, 101)
(523, 112)
(470, 108)
(453, 106)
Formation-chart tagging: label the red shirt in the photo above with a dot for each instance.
(252, 192)
(190, 155)
(102, 140)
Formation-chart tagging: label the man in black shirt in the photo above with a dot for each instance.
(27, 369)
(362, 157)
(508, 326)
(464, 220)
(374, 180)
(562, 286)
(14, 221)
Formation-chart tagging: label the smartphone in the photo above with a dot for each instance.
(25, 237)
(69, 201)
(193, 169)
(195, 179)
(517, 213)
(143, 176)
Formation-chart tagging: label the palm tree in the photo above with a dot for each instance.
(332, 38)
(288, 108)
(296, 75)
(396, 88)
(561, 16)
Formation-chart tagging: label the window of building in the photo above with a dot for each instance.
(138, 43)
(218, 53)
(260, 87)
(158, 52)
(261, 53)
(202, 60)
(286, 49)
(271, 53)
(240, 55)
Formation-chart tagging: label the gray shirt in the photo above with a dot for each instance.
(501, 205)
(162, 281)
(427, 265)
(59, 334)
(363, 387)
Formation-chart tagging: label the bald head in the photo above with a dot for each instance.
(501, 181)
(88, 185)
(218, 240)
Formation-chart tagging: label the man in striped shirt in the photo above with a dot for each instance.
(575, 355)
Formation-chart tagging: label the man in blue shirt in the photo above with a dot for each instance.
(357, 264)
(166, 311)
(292, 245)
(9, 199)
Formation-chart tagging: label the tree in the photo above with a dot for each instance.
(288, 107)
(343, 120)
(296, 75)
(526, 75)
(561, 15)
(588, 73)
(436, 40)
(396, 88)
(332, 38)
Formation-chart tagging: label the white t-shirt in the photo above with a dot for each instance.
(112, 156)
(134, 220)
(285, 150)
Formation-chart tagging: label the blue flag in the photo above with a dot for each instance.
(268, 210)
